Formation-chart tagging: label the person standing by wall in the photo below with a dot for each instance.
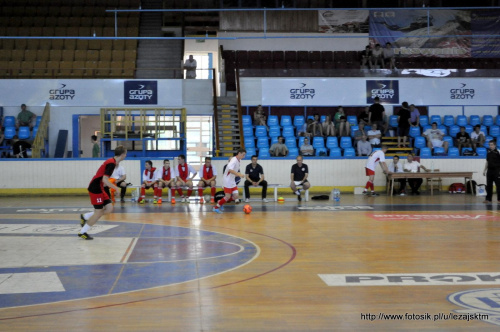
(95, 147)
(492, 171)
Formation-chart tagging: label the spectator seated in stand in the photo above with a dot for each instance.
(366, 58)
(462, 140)
(328, 126)
(20, 148)
(389, 60)
(364, 147)
(364, 117)
(358, 134)
(306, 129)
(343, 127)
(315, 127)
(259, 117)
(415, 116)
(374, 136)
(434, 137)
(377, 56)
(278, 149)
(25, 118)
(477, 137)
(306, 149)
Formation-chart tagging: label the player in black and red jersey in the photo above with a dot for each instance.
(98, 197)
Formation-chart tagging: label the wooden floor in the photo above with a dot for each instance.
(403, 256)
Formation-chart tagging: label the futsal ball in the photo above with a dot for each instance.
(247, 209)
(281, 200)
(207, 198)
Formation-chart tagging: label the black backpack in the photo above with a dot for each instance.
(218, 195)
(470, 184)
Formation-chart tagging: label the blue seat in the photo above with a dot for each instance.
(249, 142)
(420, 142)
(9, 132)
(318, 142)
(321, 152)
(298, 121)
(9, 121)
(487, 141)
(448, 139)
(24, 133)
(497, 121)
(454, 130)
(436, 119)
(448, 120)
(444, 129)
(353, 120)
(425, 128)
(38, 120)
(301, 141)
(264, 153)
(494, 130)
(246, 120)
(35, 131)
(345, 142)
(322, 118)
(466, 149)
(272, 120)
(260, 131)
(290, 142)
(274, 131)
(332, 142)
(262, 142)
(425, 153)
(349, 152)
(247, 131)
(424, 120)
(335, 152)
(438, 151)
(414, 132)
(469, 129)
(483, 129)
(461, 120)
(488, 120)
(293, 152)
(453, 152)
(393, 121)
(250, 151)
(474, 120)
(274, 140)
(288, 131)
(310, 117)
(286, 120)
(481, 152)
(354, 129)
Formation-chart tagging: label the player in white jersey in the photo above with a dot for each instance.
(229, 181)
(375, 158)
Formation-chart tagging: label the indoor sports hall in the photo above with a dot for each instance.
(404, 241)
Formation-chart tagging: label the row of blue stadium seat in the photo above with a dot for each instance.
(448, 120)
(294, 152)
(22, 133)
(10, 121)
(291, 142)
(421, 142)
(426, 152)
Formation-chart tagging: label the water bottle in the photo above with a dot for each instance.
(135, 195)
(336, 195)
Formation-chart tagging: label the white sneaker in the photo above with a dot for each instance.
(265, 200)
(247, 200)
(183, 200)
(402, 194)
(297, 192)
(237, 201)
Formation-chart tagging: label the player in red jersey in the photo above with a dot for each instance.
(375, 158)
(166, 179)
(98, 197)
(149, 180)
(207, 179)
(183, 179)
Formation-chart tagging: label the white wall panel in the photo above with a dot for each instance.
(481, 110)
(445, 110)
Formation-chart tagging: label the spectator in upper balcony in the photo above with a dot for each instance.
(343, 127)
(315, 127)
(366, 58)
(190, 67)
(328, 126)
(25, 118)
(377, 56)
(477, 137)
(390, 61)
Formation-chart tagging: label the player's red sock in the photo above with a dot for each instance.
(221, 202)
(371, 186)
(212, 190)
(173, 192)
(143, 192)
(190, 191)
(230, 199)
(179, 190)
(367, 185)
(159, 192)
(200, 192)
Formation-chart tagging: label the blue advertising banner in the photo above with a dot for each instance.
(140, 93)
(386, 90)
(485, 22)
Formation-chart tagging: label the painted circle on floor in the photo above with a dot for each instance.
(46, 262)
